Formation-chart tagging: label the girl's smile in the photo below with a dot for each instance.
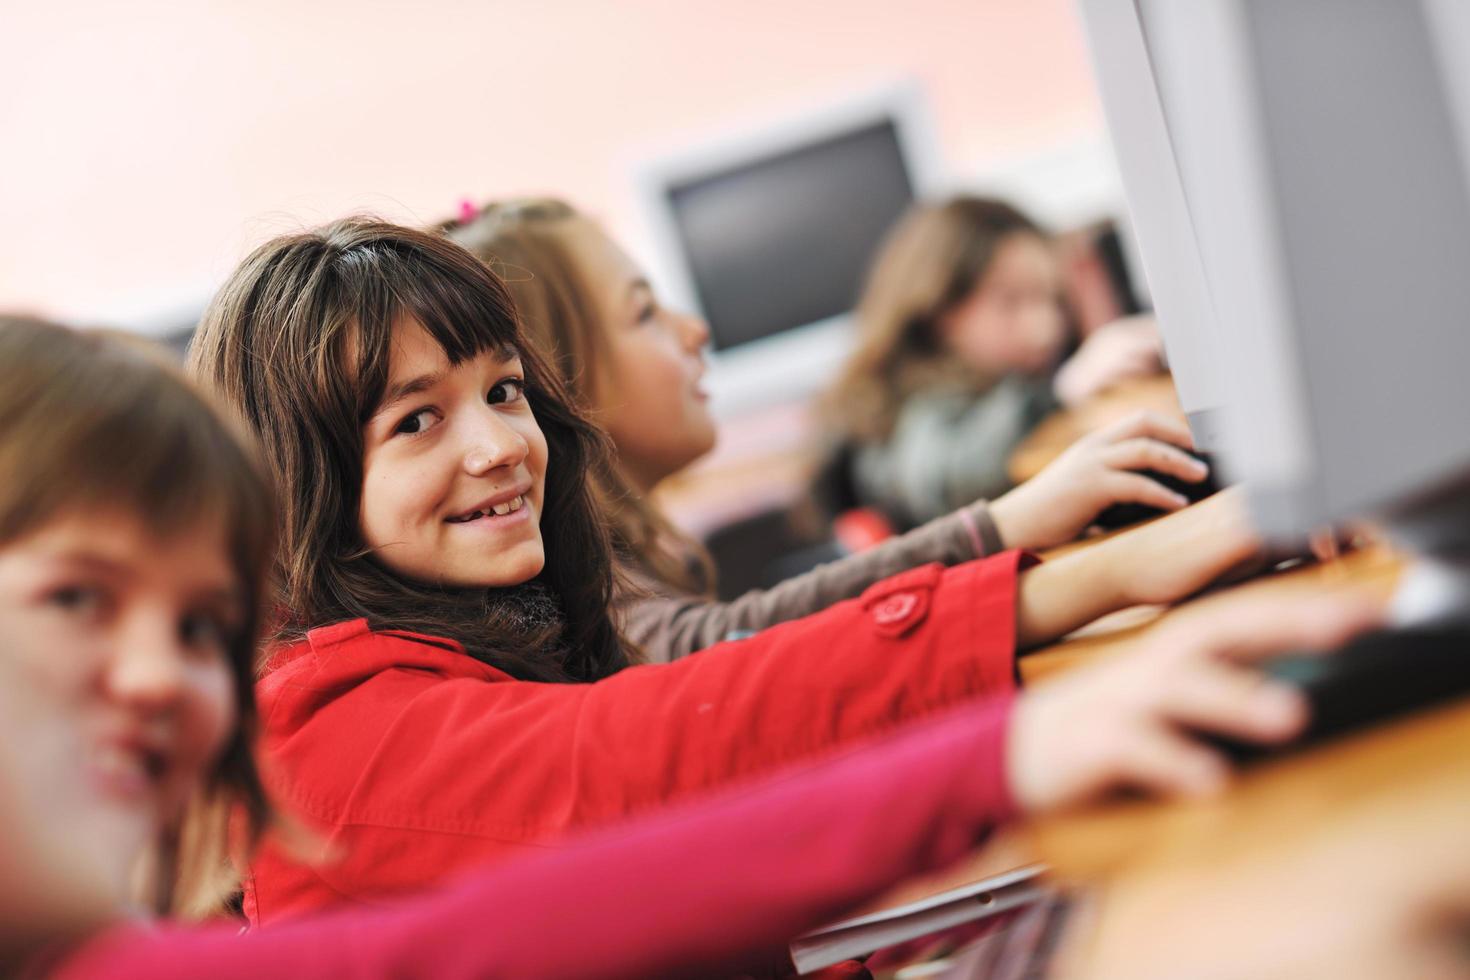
(499, 512)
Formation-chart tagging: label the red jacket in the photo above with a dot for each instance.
(700, 890)
(416, 761)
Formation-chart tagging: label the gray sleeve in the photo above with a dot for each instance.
(668, 625)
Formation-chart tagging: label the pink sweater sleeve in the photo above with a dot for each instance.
(717, 884)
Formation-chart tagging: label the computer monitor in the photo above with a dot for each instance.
(1139, 113)
(768, 233)
(1325, 145)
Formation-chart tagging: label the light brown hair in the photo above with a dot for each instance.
(934, 257)
(527, 243)
(298, 341)
(92, 422)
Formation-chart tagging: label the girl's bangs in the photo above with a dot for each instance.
(465, 314)
(103, 425)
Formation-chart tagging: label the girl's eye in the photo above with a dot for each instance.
(202, 631)
(78, 600)
(647, 312)
(415, 423)
(507, 390)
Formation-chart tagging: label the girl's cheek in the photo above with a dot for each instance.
(35, 658)
(213, 711)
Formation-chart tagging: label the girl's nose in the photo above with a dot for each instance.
(695, 332)
(146, 666)
(493, 444)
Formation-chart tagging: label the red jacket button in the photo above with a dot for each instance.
(895, 608)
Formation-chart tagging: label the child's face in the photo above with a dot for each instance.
(454, 468)
(649, 397)
(119, 691)
(1012, 320)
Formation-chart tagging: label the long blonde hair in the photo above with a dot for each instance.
(527, 242)
(928, 264)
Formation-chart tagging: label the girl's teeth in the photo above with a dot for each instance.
(498, 510)
(116, 761)
(502, 509)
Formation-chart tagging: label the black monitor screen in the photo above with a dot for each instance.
(786, 241)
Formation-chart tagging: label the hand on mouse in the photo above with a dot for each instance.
(1094, 473)
(1126, 721)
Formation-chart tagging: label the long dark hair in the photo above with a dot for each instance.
(298, 340)
(90, 422)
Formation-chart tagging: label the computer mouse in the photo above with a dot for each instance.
(1122, 515)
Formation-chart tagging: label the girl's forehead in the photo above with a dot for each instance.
(1022, 255)
(413, 351)
(196, 551)
(600, 259)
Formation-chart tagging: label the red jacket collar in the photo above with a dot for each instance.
(301, 677)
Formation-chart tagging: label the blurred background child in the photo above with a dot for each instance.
(961, 328)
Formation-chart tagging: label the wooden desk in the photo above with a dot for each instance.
(1282, 876)
(1063, 428)
(1374, 568)
(1267, 880)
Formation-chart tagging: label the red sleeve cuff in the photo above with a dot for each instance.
(977, 613)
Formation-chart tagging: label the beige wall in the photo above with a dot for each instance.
(148, 144)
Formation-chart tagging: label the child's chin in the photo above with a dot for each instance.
(511, 569)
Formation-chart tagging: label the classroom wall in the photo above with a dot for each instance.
(148, 145)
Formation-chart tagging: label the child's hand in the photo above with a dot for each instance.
(1094, 473)
(1126, 721)
(1177, 555)
(1126, 348)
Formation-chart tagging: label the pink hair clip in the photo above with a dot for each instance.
(467, 211)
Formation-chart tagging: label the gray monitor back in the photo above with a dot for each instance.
(1140, 113)
(1322, 142)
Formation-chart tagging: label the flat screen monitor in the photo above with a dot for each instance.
(784, 241)
(769, 233)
